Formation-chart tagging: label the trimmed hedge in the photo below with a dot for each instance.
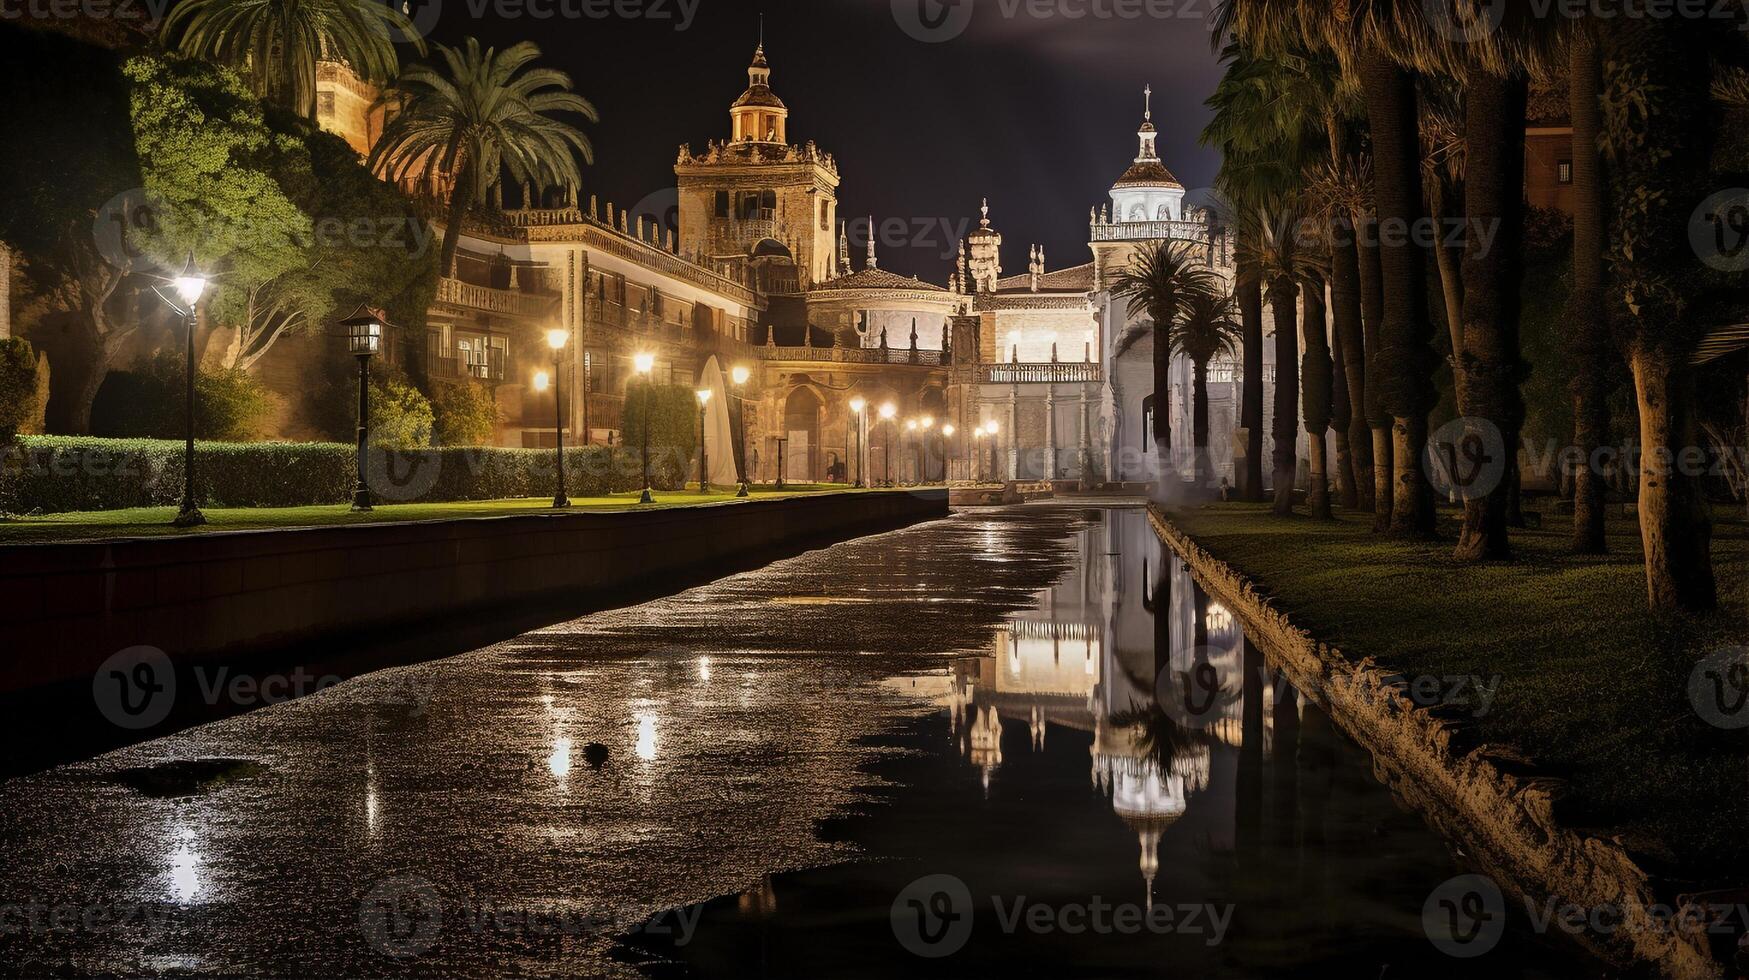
(51, 474)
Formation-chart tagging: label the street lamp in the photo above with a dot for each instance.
(739, 375)
(556, 339)
(364, 336)
(888, 410)
(704, 473)
(947, 431)
(925, 426)
(188, 288)
(857, 405)
(645, 362)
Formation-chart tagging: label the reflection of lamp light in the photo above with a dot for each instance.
(990, 426)
(889, 410)
(947, 430)
(1218, 619)
(857, 404)
(542, 381)
(928, 421)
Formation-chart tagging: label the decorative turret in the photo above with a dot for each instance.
(843, 266)
(759, 116)
(985, 261)
(871, 262)
(1147, 191)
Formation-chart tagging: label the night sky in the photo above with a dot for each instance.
(1037, 113)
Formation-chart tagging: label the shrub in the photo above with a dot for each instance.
(18, 401)
(229, 404)
(673, 414)
(464, 414)
(65, 473)
(400, 415)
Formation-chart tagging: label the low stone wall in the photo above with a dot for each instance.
(1504, 820)
(68, 607)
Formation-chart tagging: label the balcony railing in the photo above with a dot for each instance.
(853, 355)
(1149, 231)
(454, 365)
(1044, 373)
(506, 301)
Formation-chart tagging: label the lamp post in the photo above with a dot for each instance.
(645, 362)
(978, 451)
(857, 419)
(556, 339)
(916, 461)
(925, 426)
(188, 288)
(364, 336)
(782, 444)
(739, 374)
(888, 410)
(704, 473)
(947, 431)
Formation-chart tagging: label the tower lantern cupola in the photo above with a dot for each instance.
(759, 116)
(1147, 191)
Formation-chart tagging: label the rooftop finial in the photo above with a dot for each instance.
(871, 238)
(1147, 103)
(984, 212)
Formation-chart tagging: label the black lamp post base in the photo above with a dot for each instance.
(743, 491)
(361, 502)
(704, 488)
(189, 516)
(646, 498)
(561, 501)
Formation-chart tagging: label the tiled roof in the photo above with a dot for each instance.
(1075, 279)
(877, 279)
(1147, 173)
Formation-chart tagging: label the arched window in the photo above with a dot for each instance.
(1165, 213)
(1138, 213)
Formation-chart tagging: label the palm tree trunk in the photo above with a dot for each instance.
(1350, 333)
(1163, 404)
(1315, 381)
(1250, 294)
(1199, 424)
(1489, 360)
(1372, 306)
(1675, 526)
(1287, 392)
(1449, 202)
(458, 212)
(1341, 416)
(1590, 340)
(1406, 360)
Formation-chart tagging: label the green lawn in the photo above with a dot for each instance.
(1592, 688)
(155, 521)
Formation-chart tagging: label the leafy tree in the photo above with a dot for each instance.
(672, 413)
(1208, 327)
(400, 415)
(464, 413)
(18, 383)
(480, 115)
(278, 42)
(150, 402)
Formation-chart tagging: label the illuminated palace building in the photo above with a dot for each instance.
(1033, 375)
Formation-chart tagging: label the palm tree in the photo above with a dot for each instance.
(1248, 291)
(1316, 378)
(478, 119)
(1158, 284)
(1207, 327)
(277, 43)
(1588, 336)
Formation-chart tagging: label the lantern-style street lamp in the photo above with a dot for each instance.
(556, 339)
(704, 473)
(738, 375)
(888, 410)
(187, 289)
(364, 337)
(860, 421)
(645, 362)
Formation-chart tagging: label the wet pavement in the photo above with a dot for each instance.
(996, 741)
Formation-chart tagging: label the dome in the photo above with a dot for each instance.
(761, 96)
(1147, 173)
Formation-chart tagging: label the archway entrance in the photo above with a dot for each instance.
(801, 424)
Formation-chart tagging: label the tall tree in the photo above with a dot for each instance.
(1662, 301)
(478, 116)
(1158, 283)
(278, 42)
(1248, 291)
(1207, 328)
(1588, 329)
(1316, 377)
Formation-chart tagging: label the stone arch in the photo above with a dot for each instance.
(803, 412)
